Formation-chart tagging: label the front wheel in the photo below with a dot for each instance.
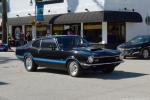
(145, 54)
(29, 64)
(74, 69)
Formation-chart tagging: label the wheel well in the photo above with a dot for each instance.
(71, 60)
(26, 55)
(68, 62)
(146, 49)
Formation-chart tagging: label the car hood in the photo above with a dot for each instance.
(129, 45)
(97, 51)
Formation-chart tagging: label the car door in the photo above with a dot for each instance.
(34, 50)
(49, 54)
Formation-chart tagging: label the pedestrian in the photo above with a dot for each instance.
(28, 37)
(48, 33)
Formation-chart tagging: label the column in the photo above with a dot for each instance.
(33, 32)
(23, 29)
(82, 29)
(104, 33)
(51, 29)
(9, 29)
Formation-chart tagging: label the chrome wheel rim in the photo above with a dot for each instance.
(73, 67)
(145, 54)
(28, 63)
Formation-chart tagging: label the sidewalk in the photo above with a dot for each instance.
(13, 49)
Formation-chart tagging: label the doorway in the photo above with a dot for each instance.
(116, 34)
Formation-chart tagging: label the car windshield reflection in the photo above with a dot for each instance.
(139, 39)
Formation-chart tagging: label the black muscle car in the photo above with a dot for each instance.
(138, 47)
(69, 53)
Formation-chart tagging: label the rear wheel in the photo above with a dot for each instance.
(74, 69)
(145, 54)
(29, 64)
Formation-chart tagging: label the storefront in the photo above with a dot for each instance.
(103, 27)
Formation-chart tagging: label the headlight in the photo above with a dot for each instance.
(90, 59)
(121, 57)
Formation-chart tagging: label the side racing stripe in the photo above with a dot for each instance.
(49, 60)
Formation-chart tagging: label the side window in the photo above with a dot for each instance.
(48, 44)
(36, 44)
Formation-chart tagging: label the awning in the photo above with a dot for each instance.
(119, 16)
(98, 16)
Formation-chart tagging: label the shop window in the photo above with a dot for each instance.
(58, 29)
(41, 31)
(93, 32)
(72, 29)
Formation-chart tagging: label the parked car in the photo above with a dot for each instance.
(137, 47)
(69, 53)
(3, 47)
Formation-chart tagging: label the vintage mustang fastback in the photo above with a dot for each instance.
(69, 53)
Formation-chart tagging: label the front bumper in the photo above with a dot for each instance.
(130, 52)
(101, 64)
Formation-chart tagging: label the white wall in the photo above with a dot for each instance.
(142, 7)
(23, 7)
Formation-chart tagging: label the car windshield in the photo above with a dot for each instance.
(68, 42)
(139, 39)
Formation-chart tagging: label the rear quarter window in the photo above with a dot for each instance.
(36, 44)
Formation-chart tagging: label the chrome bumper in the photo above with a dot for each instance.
(99, 64)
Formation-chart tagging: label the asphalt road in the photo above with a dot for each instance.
(130, 81)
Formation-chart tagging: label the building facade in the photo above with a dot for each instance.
(0, 20)
(109, 22)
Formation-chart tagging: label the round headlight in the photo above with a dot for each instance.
(90, 59)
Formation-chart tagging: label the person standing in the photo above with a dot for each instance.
(28, 37)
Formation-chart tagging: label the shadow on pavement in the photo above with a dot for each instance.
(3, 83)
(48, 70)
(116, 75)
(6, 59)
(136, 58)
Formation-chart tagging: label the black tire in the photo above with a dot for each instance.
(108, 70)
(29, 64)
(145, 54)
(74, 68)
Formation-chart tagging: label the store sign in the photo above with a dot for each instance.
(39, 12)
(49, 1)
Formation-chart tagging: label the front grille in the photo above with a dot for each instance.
(106, 59)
